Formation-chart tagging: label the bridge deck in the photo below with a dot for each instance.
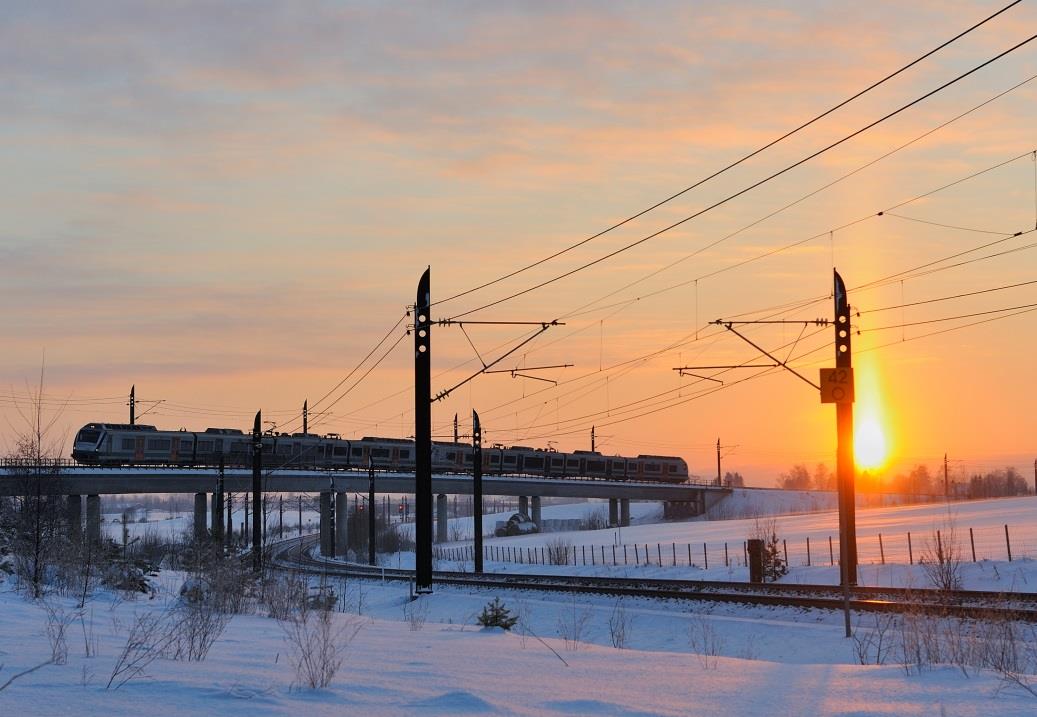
(84, 480)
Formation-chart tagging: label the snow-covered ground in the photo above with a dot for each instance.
(891, 563)
(757, 661)
(428, 657)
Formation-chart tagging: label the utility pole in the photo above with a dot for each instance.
(217, 520)
(718, 463)
(845, 467)
(133, 405)
(455, 428)
(477, 490)
(257, 493)
(946, 482)
(305, 418)
(593, 448)
(423, 436)
(370, 512)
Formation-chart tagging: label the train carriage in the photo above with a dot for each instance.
(114, 444)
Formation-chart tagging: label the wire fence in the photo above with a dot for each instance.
(965, 545)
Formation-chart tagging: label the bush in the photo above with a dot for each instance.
(558, 551)
(941, 558)
(317, 644)
(496, 615)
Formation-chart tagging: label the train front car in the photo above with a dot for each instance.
(86, 448)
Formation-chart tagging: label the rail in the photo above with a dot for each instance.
(294, 554)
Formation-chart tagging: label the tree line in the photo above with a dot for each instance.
(919, 480)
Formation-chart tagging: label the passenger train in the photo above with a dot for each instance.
(112, 444)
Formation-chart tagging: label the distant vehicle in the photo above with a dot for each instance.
(518, 524)
(121, 444)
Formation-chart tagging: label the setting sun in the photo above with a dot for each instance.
(869, 445)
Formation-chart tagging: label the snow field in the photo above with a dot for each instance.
(766, 662)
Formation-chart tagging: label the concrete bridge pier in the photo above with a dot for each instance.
(441, 518)
(74, 516)
(327, 538)
(200, 516)
(624, 512)
(523, 505)
(613, 512)
(341, 508)
(536, 510)
(93, 518)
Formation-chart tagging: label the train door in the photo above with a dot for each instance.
(174, 449)
(138, 448)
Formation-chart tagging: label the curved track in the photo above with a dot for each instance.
(295, 554)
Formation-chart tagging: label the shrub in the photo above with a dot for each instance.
(496, 615)
(558, 551)
(317, 644)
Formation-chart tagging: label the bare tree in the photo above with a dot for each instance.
(38, 511)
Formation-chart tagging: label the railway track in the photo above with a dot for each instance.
(294, 554)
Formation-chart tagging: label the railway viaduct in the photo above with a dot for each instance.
(74, 482)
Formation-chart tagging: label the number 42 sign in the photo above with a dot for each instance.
(837, 385)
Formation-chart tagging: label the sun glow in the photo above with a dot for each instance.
(869, 444)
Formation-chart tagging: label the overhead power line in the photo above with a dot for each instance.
(948, 298)
(732, 165)
(749, 188)
(950, 318)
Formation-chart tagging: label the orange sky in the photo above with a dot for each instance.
(229, 206)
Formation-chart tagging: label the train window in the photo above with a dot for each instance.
(556, 462)
(341, 451)
(158, 444)
(379, 452)
(598, 466)
(534, 463)
(128, 444)
(283, 449)
(185, 446)
(494, 458)
(651, 467)
(358, 451)
(204, 446)
(451, 456)
(404, 454)
(468, 458)
(510, 459)
(88, 436)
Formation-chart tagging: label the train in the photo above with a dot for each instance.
(115, 444)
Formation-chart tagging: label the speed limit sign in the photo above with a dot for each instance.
(837, 385)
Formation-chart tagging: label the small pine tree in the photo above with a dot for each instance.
(496, 615)
(773, 562)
